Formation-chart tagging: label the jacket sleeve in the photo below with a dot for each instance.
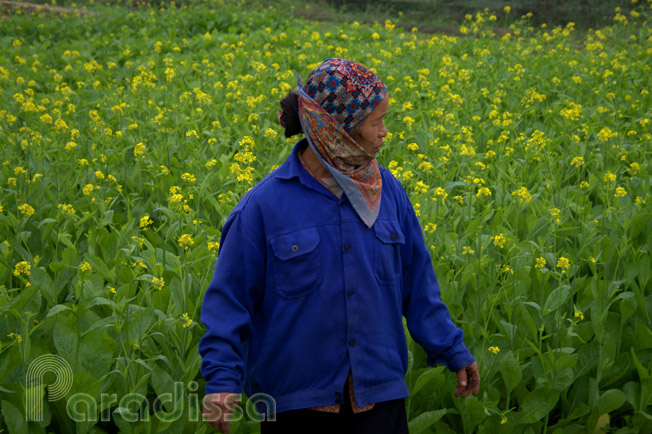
(227, 310)
(428, 319)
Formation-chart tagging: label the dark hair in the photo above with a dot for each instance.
(290, 116)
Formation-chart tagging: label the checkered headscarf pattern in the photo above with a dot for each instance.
(346, 90)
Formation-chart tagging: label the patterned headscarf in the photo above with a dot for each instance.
(337, 95)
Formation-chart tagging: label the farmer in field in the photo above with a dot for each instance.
(318, 265)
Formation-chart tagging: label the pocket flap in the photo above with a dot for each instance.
(389, 232)
(295, 244)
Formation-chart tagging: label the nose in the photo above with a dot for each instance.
(383, 130)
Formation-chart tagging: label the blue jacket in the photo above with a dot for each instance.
(303, 291)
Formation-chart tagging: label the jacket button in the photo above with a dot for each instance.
(352, 343)
(394, 237)
(295, 247)
(338, 394)
(347, 247)
(350, 293)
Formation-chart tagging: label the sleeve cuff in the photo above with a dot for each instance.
(456, 362)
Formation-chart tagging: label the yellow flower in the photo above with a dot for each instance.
(139, 263)
(620, 192)
(584, 184)
(188, 177)
(138, 241)
(99, 175)
(577, 161)
(540, 262)
(111, 290)
(606, 134)
(22, 268)
(66, 209)
(85, 267)
(494, 350)
(139, 150)
(499, 240)
(413, 147)
(523, 194)
(186, 241)
(440, 193)
(430, 228)
(88, 189)
(563, 264)
(70, 145)
(609, 177)
(213, 246)
(158, 283)
(176, 198)
(408, 120)
(145, 221)
(466, 250)
(579, 315)
(187, 320)
(26, 209)
(639, 201)
(483, 191)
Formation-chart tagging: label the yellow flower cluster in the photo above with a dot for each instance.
(22, 268)
(186, 241)
(145, 222)
(563, 264)
(499, 240)
(85, 267)
(523, 194)
(158, 283)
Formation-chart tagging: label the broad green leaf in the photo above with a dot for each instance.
(66, 342)
(643, 373)
(632, 391)
(556, 298)
(510, 370)
(563, 379)
(432, 377)
(424, 421)
(41, 278)
(56, 309)
(611, 400)
(16, 422)
(536, 405)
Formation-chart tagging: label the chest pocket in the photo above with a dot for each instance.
(296, 265)
(387, 256)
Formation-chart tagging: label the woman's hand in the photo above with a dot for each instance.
(468, 381)
(218, 409)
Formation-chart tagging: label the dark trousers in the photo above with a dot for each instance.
(384, 418)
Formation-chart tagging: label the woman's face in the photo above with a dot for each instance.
(370, 131)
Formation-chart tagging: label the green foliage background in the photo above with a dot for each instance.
(128, 135)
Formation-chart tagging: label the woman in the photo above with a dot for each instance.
(318, 264)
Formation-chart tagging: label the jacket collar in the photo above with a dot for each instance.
(292, 168)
